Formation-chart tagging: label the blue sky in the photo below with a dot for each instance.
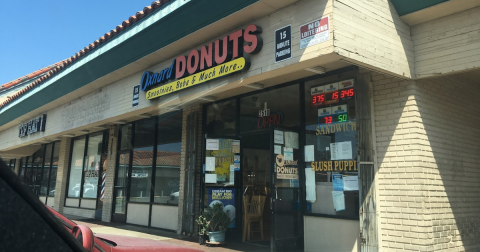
(36, 34)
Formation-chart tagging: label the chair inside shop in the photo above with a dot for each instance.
(253, 207)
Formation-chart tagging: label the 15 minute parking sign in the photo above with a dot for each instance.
(136, 91)
(283, 43)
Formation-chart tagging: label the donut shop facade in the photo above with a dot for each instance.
(320, 112)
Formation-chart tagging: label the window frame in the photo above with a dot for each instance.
(349, 71)
(50, 169)
(82, 181)
(153, 167)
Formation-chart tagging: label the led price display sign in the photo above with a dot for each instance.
(332, 93)
(332, 119)
(333, 97)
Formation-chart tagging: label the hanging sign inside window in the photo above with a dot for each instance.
(332, 93)
(342, 165)
(286, 169)
(266, 119)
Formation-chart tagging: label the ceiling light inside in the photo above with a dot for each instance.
(255, 85)
(317, 69)
(209, 98)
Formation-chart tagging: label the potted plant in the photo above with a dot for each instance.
(214, 222)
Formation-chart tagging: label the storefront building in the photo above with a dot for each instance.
(334, 117)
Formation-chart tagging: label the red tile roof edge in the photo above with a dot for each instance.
(63, 64)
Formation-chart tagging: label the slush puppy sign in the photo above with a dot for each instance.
(217, 59)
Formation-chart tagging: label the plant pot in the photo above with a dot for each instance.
(217, 236)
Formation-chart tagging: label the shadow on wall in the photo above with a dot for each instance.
(407, 46)
(428, 144)
(447, 108)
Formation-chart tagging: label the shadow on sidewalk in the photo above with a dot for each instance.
(100, 227)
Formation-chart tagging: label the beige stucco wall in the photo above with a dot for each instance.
(114, 101)
(447, 44)
(333, 235)
(429, 169)
(371, 33)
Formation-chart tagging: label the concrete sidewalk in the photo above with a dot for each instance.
(99, 227)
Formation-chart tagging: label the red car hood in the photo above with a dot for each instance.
(126, 243)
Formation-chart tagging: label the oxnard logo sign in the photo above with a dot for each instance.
(217, 59)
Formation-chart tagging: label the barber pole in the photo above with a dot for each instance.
(102, 193)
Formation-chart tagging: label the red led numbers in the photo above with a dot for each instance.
(328, 119)
(335, 96)
(346, 93)
(318, 99)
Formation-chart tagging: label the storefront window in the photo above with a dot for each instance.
(76, 166)
(221, 118)
(126, 137)
(46, 170)
(331, 148)
(144, 133)
(85, 163)
(169, 148)
(141, 179)
(21, 173)
(92, 165)
(163, 133)
(12, 164)
(28, 172)
(278, 107)
(53, 173)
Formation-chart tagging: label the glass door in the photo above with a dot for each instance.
(120, 189)
(286, 215)
(222, 176)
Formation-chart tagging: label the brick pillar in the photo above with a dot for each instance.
(198, 166)
(17, 165)
(62, 172)
(110, 177)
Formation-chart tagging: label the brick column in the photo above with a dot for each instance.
(110, 177)
(198, 166)
(17, 165)
(62, 172)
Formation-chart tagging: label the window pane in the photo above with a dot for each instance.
(12, 164)
(76, 165)
(46, 170)
(330, 127)
(276, 107)
(28, 171)
(21, 173)
(120, 201)
(53, 175)
(140, 184)
(221, 118)
(92, 165)
(126, 137)
(167, 174)
(144, 133)
(122, 173)
(35, 171)
(38, 157)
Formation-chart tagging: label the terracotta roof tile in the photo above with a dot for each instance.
(61, 65)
